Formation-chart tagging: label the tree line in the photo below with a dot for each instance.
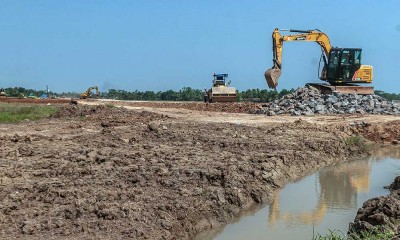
(189, 94)
(185, 94)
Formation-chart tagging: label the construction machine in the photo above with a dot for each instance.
(220, 90)
(89, 94)
(342, 67)
(2, 93)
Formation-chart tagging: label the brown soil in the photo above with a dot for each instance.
(380, 211)
(234, 107)
(34, 101)
(104, 172)
(380, 133)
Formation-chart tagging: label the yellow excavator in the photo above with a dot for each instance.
(89, 94)
(342, 67)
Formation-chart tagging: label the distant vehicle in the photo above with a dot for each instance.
(89, 94)
(220, 90)
(2, 93)
(33, 96)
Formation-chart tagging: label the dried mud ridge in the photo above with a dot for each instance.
(380, 211)
(234, 107)
(103, 172)
(379, 133)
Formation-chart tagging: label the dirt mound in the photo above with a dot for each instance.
(102, 112)
(110, 173)
(381, 211)
(379, 133)
(235, 107)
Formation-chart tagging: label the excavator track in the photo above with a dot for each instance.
(344, 89)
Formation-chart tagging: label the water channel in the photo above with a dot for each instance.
(327, 199)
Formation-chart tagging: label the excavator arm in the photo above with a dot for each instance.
(272, 75)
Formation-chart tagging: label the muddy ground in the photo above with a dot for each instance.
(100, 172)
(233, 107)
(381, 212)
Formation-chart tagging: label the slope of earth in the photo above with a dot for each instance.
(232, 107)
(101, 172)
(381, 132)
(381, 211)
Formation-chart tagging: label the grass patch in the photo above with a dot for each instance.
(12, 113)
(377, 233)
(110, 105)
(357, 142)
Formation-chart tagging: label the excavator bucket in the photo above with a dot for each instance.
(272, 75)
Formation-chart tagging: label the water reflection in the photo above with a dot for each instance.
(337, 188)
(328, 199)
(380, 153)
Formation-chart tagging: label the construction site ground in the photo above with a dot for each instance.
(34, 100)
(237, 113)
(161, 171)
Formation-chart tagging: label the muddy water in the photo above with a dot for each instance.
(327, 199)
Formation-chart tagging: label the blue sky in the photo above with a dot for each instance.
(167, 44)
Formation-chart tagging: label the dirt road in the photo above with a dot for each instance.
(221, 114)
(102, 172)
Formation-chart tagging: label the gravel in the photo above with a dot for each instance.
(309, 101)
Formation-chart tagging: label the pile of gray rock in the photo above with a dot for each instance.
(309, 101)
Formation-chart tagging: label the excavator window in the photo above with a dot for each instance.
(357, 57)
(333, 59)
(345, 60)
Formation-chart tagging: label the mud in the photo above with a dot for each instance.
(381, 211)
(234, 107)
(104, 172)
(385, 133)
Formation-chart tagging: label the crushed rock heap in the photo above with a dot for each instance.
(309, 101)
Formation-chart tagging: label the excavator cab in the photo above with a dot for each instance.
(343, 66)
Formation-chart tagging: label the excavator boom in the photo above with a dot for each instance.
(272, 75)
